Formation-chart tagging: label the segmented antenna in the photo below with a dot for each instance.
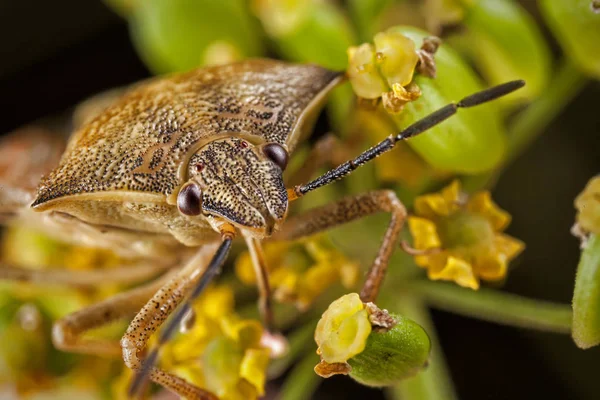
(213, 269)
(416, 128)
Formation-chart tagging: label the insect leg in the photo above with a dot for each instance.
(346, 210)
(416, 128)
(262, 278)
(153, 315)
(121, 274)
(67, 332)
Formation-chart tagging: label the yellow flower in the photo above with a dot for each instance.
(343, 329)
(588, 207)
(461, 240)
(385, 70)
(220, 351)
(301, 271)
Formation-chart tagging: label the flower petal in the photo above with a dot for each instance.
(439, 204)
(424, 233)
(492, 267)
(253, 367)
(348, 340)
(482, 203)
(508, 246)
(459, 271)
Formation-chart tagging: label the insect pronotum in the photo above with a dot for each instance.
(192, 161)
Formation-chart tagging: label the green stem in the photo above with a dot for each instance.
(564, 86)
(495, 306)
(435, 382)
(302, 381)
(299, 341)
(586, 298)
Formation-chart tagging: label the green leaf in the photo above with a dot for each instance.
(586, 299)
(576, 26)
(178, 35)
(472, 141)
(492, 305)
(506, 44)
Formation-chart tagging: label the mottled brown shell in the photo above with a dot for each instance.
(139, 143)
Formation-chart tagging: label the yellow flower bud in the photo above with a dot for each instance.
(343, 329)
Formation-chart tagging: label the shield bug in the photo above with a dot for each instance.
(193, 161)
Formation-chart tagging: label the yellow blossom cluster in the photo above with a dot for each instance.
(220, 351)
(300, 271)
(460, 239)
(385, 69)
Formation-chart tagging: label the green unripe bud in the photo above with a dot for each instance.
(372, 346)
(473, 140)
(586, 297)
(391, 356)
(179, 35)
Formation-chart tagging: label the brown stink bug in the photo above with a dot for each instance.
(193, 161)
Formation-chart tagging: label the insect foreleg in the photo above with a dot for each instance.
(192, 278)
(346, 210)
(262, 279)
(67, 332)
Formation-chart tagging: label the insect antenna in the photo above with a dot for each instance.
(416, 128)
(172, 325)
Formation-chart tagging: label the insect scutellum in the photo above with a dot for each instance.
(268, 161)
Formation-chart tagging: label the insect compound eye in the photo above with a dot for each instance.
(276, 153)
(189, 200)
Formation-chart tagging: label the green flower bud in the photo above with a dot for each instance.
(372, 346)
(506, 44)
(586, 297)
(472, 141)
(178, 35)
(576, 25)
(393, 355)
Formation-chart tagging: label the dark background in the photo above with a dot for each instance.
(56, 53)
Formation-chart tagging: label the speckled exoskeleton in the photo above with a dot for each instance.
(193, 161)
